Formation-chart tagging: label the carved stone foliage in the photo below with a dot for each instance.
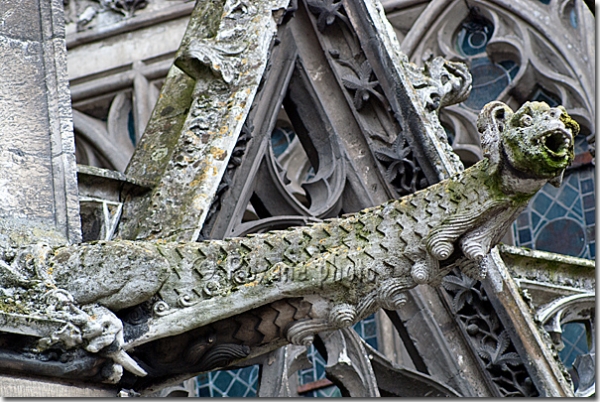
(95, 15)
(364, 94)
(516, 50)
(90, 13)
(489, 339)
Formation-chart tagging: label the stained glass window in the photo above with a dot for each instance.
(489, 79)
(229, 383)
(281, 138)
(574, 337)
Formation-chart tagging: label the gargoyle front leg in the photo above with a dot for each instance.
(424, 267)
(477, 243)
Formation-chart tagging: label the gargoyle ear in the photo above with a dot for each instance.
(490, 123)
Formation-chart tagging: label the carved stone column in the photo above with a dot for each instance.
(38, 184)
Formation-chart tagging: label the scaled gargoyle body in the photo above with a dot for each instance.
(165, 310)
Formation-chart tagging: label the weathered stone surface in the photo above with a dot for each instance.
(225, 50)
(11, 386)
(130, 274)
(37, 140)
(124, 49)
(187, 297)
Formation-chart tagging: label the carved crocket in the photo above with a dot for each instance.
(182, 308)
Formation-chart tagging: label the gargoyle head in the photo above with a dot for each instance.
(533, 144)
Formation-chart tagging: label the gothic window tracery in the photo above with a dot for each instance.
(510, 61)
(496, 75)
(518, 52)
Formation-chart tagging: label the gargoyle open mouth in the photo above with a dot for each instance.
(557, 142)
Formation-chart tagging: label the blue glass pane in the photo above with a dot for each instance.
(592, 250)
(573, 180)
(576, 208)
(204, 392)
(563, 236)
(475, 34)
(370, 330)
(222, 379)
(281, 138)
(590, 217)
(372, 342)
(367, 329)
(575, 341)
(320, 371)
(587, 186)
(556, 211)
(524, 235)
(231, 383)
(545, 1)
(489, 80)
(568, 196)
(543, 95)
(588, 201)
(541, 203)
(523, 220)
(535, 220)
(511, 68)
(569, 205)
(551, 191)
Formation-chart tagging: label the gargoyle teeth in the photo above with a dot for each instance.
(556, 142)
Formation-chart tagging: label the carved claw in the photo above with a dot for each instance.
(342, 315)
(121, 357)
(420, 273)
(473, 251)
(303, 332)
(391, 294)
(442, 250)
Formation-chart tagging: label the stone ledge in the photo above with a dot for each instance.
(31, 387)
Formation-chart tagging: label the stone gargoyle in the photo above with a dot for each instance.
(164, 310)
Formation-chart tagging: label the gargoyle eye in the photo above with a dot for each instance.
(526, 120)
